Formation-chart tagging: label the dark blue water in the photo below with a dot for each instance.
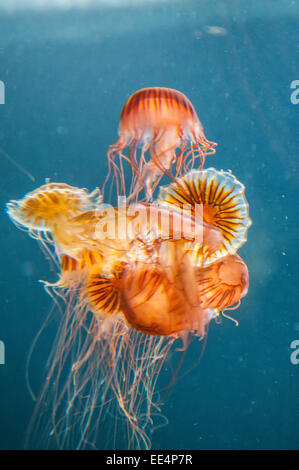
(67, 75)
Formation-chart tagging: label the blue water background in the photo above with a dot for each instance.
(67, 75)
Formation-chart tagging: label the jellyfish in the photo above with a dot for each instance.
(222, 275)
(149, 289)
(132, 280)
(50, 205)
(103, 361)
(223, 283)
(46, 212)
(164, 124)
(223, 205)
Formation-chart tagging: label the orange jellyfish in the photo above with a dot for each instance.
(50, 205)
(47, 211)
(162, 300)
(222, 276)
(224, 283)
(160, 121)
(222, 203)
(130, 290)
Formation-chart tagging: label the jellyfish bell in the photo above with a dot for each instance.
(223, 283)
(223, 205)
(49, 208)
(103, 291)
(160, 121)
(162, 298)
(154, 305)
